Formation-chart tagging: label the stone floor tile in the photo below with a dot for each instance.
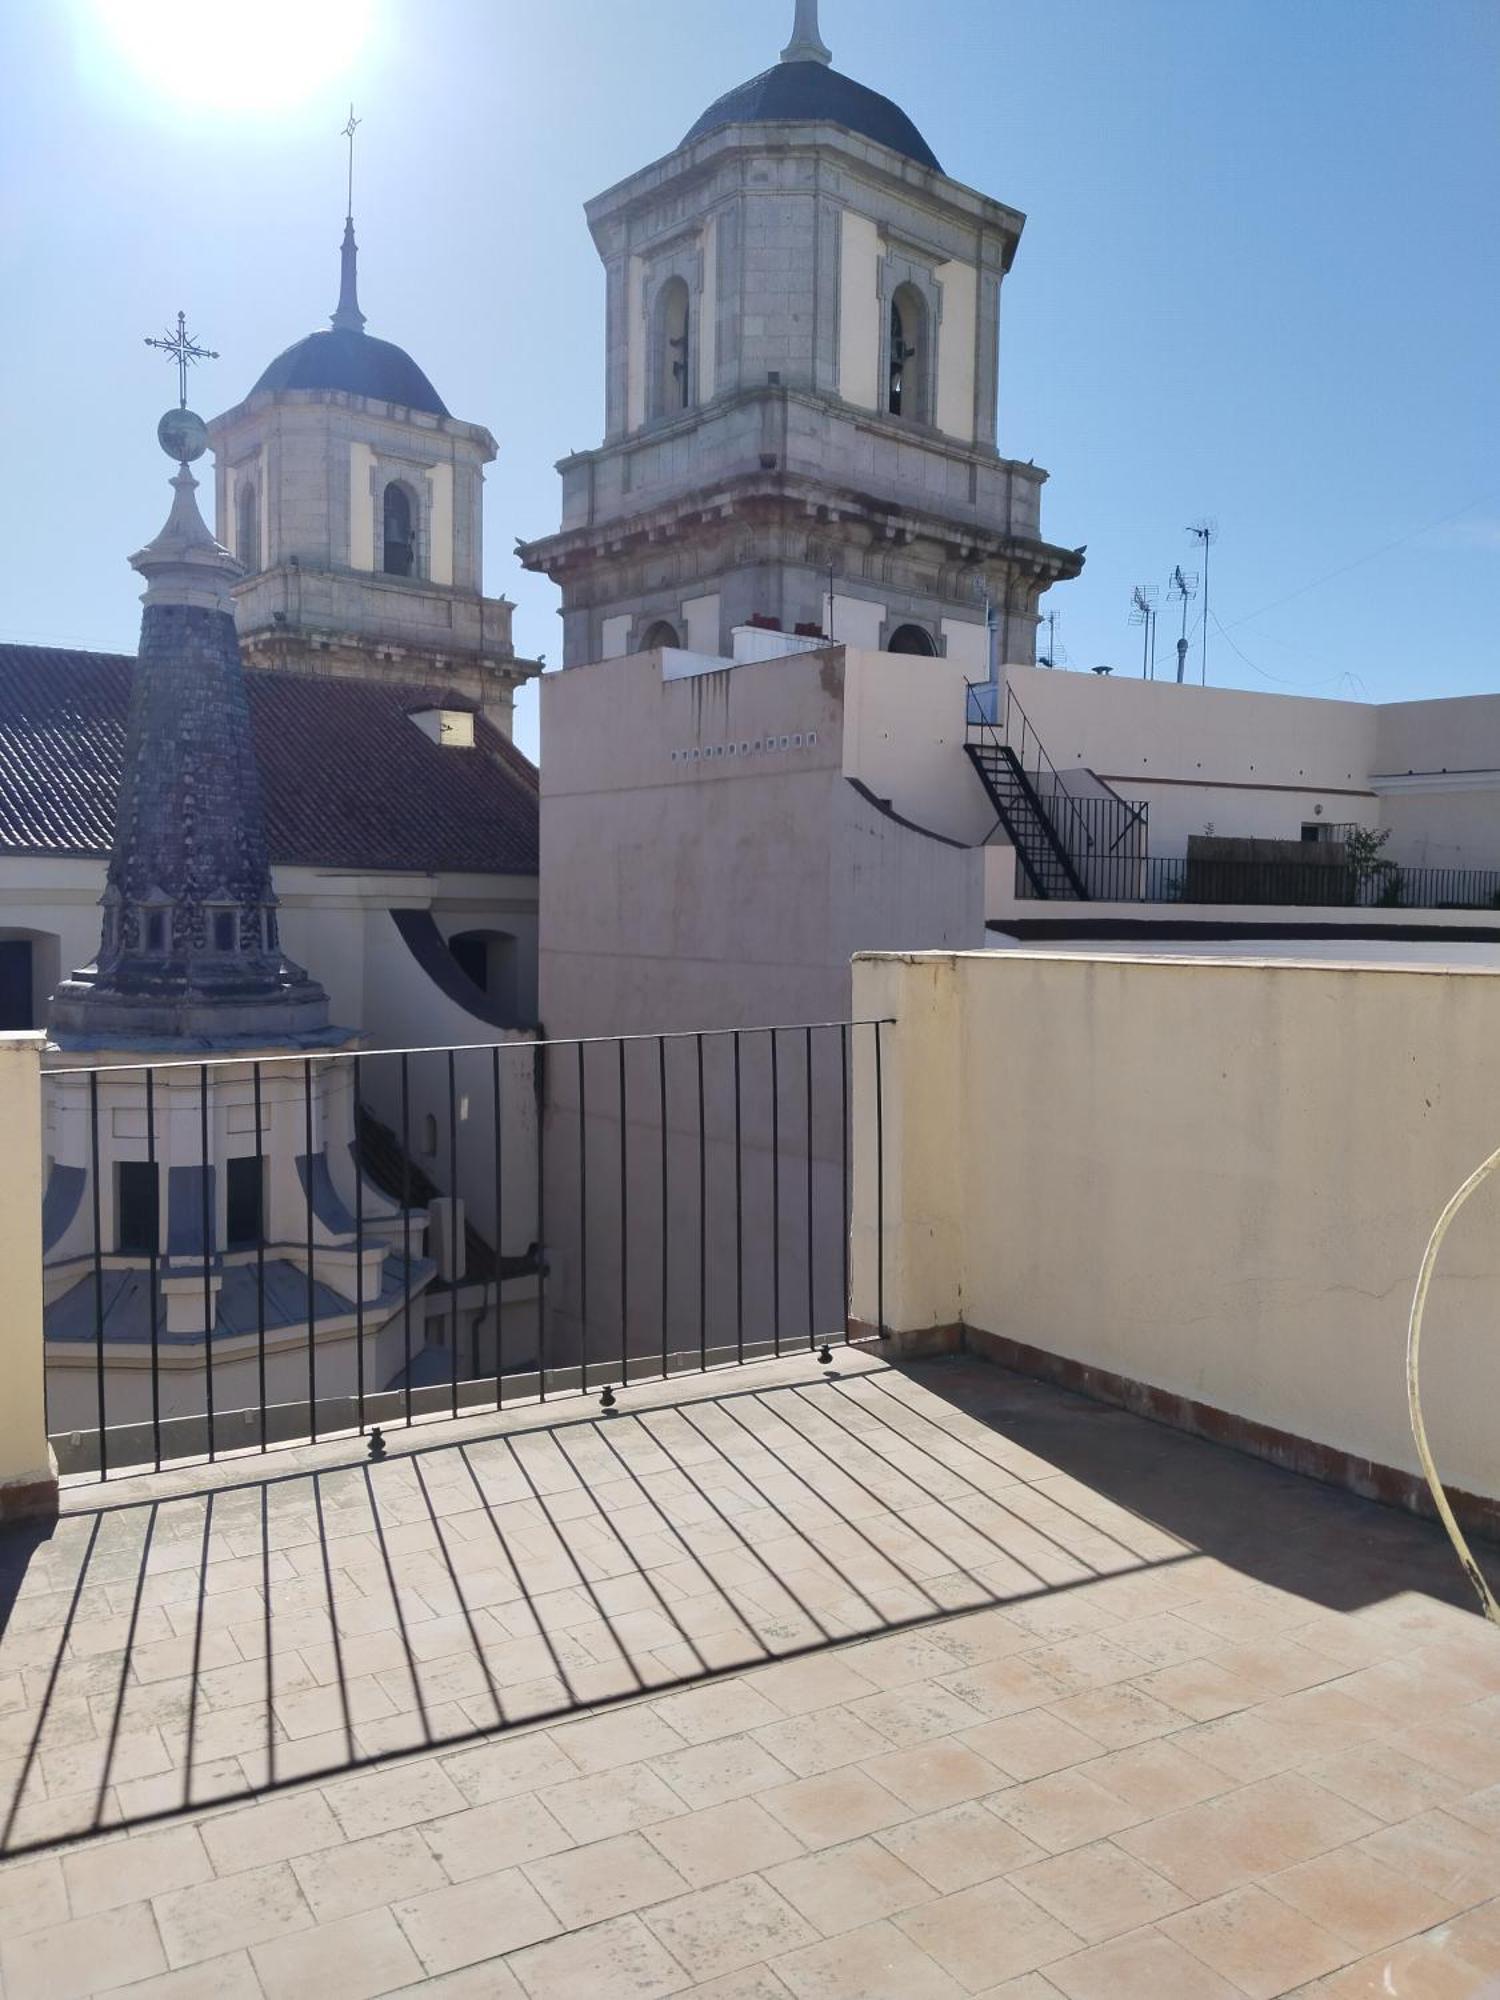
(1201, 1689)
(617, 1801)
(1099, 1890)
(32, 1895)
(620, 1959)
(244, 1909)
(960, 1846)
(821, 1741)
(1029, 1744)
(1424, 1968)
(1028, 1986)
(1382, 1782)
(587, 1885)
(1064, 1809)
(820, 1680)
(1158, 1777)
(725, 1928)
(1455, 1860)
(484, 1918)
(87, 1955)
(877, 1963)
(844, 1888)
(379, 1801)
(229, 1978)
(710, 1774)
(936, 1774)
(905, 1657)
(837, 1805)
(915, 1713)
(723, 1841)
(628, 1736)
(513, 1764)
(752, 1982)
(1118, 1717)
(1260, 1944)
(724, 1708)
(1210, 1848)
(1146, 1965)
(490, 1979)
(364, 1874)
(500, 1835)
(104, 1875)
(988, 1933)
(1359, 1898)
(1005, 1686)
(354, 1959)
(270, 1830)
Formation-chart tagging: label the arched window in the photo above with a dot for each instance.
(400, 531)
(908, 361)
(911, 639)
(247, 525)
(490, 960)
(673, 359)
(660, 634)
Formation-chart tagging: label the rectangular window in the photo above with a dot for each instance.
(137, 1208)
(223, 930)
(15, 983)
(243, 1183)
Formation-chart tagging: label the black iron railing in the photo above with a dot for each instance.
(1288, 884)
(246, 1253)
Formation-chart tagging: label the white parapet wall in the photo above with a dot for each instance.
(28, 1473)
(1201, 1187)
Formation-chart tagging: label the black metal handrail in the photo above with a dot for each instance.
(335, 1242)
(1277, 884)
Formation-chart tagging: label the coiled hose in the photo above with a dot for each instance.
(1413, 1384)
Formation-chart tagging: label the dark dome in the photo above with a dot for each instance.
(357, 364)
(802, 92)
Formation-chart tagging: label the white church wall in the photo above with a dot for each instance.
(440, 545)
(859, 324)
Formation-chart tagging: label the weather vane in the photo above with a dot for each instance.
(184, 350)
(348, 132)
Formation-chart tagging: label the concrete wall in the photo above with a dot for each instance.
(1211, 1178)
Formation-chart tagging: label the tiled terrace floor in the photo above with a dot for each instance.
(898, 1685)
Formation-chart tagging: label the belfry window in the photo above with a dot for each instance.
(908, 360)
(400, 531)
(247, 525)
(674, 372)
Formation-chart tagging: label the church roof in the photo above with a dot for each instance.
(356, 363)
(810, 92)
(348, 779)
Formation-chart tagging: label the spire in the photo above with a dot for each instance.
(348, 318)
(806, 45)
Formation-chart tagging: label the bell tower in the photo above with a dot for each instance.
(803, 322)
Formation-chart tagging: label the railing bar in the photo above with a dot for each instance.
(153, 1263)
(702, 1221)
(312, 1365)
(359, 1261)
(739, 1213)
(775, 1199)
(844, 1173)
(624, 1231)
(98, 1275)
(879, 1191)
(583, 1228)
(406, 1232)
(499, 1232)
(260, 1249)
(462, 1048)
(456, 1243)
(812, 1336)
(205, 1199)
(661, 1090)
(540, 1094)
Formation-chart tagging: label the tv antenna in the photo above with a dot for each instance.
(1183, 585)
(1143, 613)
(1049, 658)
(1205, 531)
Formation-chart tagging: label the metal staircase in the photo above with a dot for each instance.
(1019, 809)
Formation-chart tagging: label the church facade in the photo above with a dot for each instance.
(803, 326)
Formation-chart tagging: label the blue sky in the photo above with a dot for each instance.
(1259, 279)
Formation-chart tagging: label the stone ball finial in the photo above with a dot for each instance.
(183, 435)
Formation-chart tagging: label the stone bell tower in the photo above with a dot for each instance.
(803, 323)
(353, 500)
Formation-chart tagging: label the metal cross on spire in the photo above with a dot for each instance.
(184, 350)
(348, 132)
(806, 45)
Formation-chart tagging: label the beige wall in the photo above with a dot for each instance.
(1213, 1177)
(956, 349)
(25, 1461)
(859, 311)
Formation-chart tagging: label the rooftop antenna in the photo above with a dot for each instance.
(348, 318)
(1184, 585)
(1143, 613)
(1049, 658)
(1206, 531)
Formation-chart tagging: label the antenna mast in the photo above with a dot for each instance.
(1143, 613)
(1183, 585)
(1205, 531)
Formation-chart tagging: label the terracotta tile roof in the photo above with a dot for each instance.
(349, 780)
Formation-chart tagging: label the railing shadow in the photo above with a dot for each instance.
(166, 1655)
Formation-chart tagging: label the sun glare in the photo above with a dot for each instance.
(236, 55)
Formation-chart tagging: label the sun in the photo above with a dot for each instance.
(229, 55)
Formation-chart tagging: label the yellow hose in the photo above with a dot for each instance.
(1413, 1386)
